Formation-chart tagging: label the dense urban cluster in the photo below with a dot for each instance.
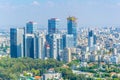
(78, 53)
(29, 42)
(4, 43)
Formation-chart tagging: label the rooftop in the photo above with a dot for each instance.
(72, 18)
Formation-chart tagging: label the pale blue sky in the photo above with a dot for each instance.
(89, 12)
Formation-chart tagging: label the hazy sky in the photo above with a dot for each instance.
(89, 12)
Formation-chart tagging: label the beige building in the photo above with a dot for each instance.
(67, 55)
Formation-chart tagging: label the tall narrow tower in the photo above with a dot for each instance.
(91, 39)
(72, 28)
(31, 27)
(53, 25)
(16, 42)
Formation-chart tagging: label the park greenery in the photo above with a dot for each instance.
(11, 68)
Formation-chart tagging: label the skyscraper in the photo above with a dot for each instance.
(34, 46)
(16, 42)
(66, 56)
(68, 41)
(40, 46)
(29, 46)
(31, 27)
(56, 45)
(91, 39)
(53, 25)
(72, 28)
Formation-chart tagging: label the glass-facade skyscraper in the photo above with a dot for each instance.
(56, 45)
(40, 46)
(72, 28)
(31, 27)
(34, 46)
(16, 42)
(91, 39)
(68, 41)
(29, 46)
(53, 25)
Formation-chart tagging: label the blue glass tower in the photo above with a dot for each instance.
(68, 41)
(53, 25)
(72, 28)
(91, 39)
(29, 47)
(56, 45)
(39, 42)
(31, 27)
(16, 42)
(34, 46)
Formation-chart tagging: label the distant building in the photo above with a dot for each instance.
(84, 57)
(31, 27)
(47, 50)
(53, 25)
(56, 45)
(72, 28)
(67, 55)
(91, 39)
(34, 45)
(114, 59)
(29, 47)
(16, 42)
(83, 64)
(52, 75)
(68, 41)
(40, 46)
(93, 58)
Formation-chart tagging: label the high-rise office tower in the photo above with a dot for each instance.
(91, 39)
(56, 45)
(40, 46)
(72, 28)
(95, 39)
(34, 45)
(16, 42)
(68, 41)
(53, 25)
(29, 46)
(31, 27)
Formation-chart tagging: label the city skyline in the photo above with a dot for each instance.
(59, 40)
(89, 12)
